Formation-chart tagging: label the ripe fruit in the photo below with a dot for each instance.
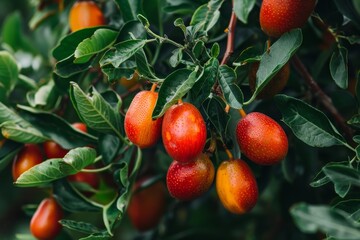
(183, 132)
(45, 222)
(274, 86)
(280, 16)
(84, 14)
(140, 128)
(54, 150)
(236, 186)
(147, 205)
(28, 157)
(186, 181)
(84, 177)
(261, 139)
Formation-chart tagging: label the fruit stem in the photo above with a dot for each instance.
(180, 101)
(242, 113)
(227, 108)
(268, 45)
(231, 157)
(153, 87)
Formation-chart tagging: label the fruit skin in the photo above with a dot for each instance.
(274, 86)
(92, 179)
(261, 139)
(147, 205)
(236, 186)
(183, 132)
(280, 16)
(84, 14)
(54, 150)
(28, 157)
(186, 181)
(80, 126)
(140, 128)
(45, 224)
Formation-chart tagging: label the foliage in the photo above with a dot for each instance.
(50, 78)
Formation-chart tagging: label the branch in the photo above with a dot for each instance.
(230, 40)
(322, 97)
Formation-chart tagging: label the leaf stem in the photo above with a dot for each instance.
(97, 169)
(322, 97)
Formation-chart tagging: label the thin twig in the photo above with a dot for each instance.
(230, 40)
(322, 97)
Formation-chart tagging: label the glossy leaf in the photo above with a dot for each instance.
(57, 128)
(143, 66)
(207, 15)
(114, 74)
(83, 227)
(354, 121)
(180, 23)
(45, 97)
(232, 93)
(101, 40)
(339, 67)
(176, 57)
(334, 222)
(134, 28)
(95, 111)
(174, 87)
(17, 133)
(307, 123)
(67, 68)
(273, 60)
(122, 52)
(9, 71)
(242, 9)
(214, 110)
(56, 168)
(347, 8)
(109, 146)
(351, 206)
(128, 8)
(69, 199)
(69, 43)
(8, 150)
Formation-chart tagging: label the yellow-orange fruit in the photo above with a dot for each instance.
(85, 14)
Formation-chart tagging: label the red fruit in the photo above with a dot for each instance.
(28, 157)
(140, 128)
(147, 205)
(261, 139)
(183, 132)
(280, 16)
(84, 14)
(236, 186)
(80, 126)
(84, 177)
(186, 181)
(45, 224)
(274, 86)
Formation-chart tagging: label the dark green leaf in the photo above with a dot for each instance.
(339, 67)
(346, 7)
(95, 111)
(134, 28)
(242, 9)
(353, 39)
(67, 68)
(214, 109)
(144, 21)
(215, 50)
(17, 133)
(207, 15)
(356, 138)
(98, 42)
(248, 55)
(274, 59)
(114, 74)
(308, 123)
(174, 87)
(357, 87)
(57, 128)
(69, 43)
(199, 49)
(8, 150)
(180, 23)
(109, 145)
(45, 97)
(354, 121)
(122, 52)
(79, 226)
(70, 199)
(144, 67)
(232, 93)
(128, 8)
(334, 222)
(56, 168)
(351, 206)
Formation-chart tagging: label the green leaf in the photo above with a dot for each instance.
(56, 168)
(101, 40)
(95, 111)
(354, 121)
(79, 226)
(109, 146)
(129, 8)
(339, 67)
(17, 133)
(347, 8)
(134, 28)
(242, 9)
(308, 123)
(232, 93)
(174, 87)
(58, 129)
(215, 50)
(114, 74)
(69, 43)
(8, 150)
(144, 68)
(343, 177)
(198, 49)
(9, 72)
(180, 23)
(334, 222)
(122, 52)
(351, 206)
(45, 97)
(70, 199)
(248, 55)
(67, 68)
(207, 15)
(176, 57)
(274, 59)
